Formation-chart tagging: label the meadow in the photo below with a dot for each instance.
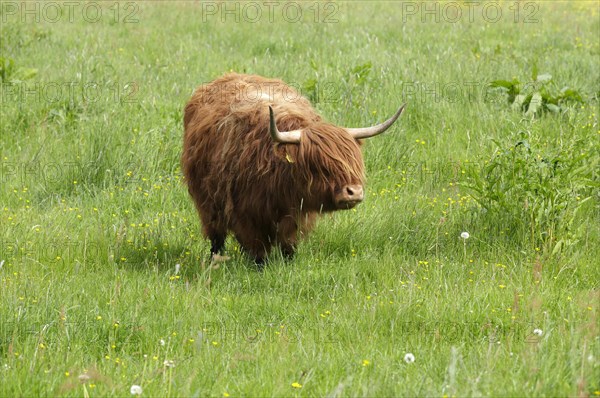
(105, 281)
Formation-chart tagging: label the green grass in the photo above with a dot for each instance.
(94, 216)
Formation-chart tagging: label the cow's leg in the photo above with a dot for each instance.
(287, 236)
(255, 241)
(215, 232)
(306, 222)
(217, 243)
(255, 248)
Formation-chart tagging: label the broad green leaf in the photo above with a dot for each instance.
(6, 67)
(503, 83)
(534, 105)
(558, 247)
(569, 93)
(534, 72)
(361, 72)
(25, 73)
(518, 103)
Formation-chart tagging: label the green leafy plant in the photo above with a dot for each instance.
(353, 87)
(360, 73)
(310, 86)
(537, 96)
(355, 83)
(541, 192)
(15, 37)
(11, 73)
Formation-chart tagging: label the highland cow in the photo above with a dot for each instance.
(261, 163)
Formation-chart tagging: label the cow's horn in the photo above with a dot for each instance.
(367, 132)
(285, 137)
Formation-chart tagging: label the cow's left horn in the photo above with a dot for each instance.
(285, 137)
(367, 132)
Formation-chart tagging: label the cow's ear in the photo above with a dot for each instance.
(285, 152)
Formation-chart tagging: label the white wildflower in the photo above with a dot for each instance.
(538, 332)
(409, 358)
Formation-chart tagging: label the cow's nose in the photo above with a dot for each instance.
(350, 196)
(354, 193)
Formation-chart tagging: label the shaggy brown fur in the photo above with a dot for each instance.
(243, 182)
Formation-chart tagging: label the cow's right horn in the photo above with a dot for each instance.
(367, 132)
(284, 137)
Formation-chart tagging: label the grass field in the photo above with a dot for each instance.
(104, 282)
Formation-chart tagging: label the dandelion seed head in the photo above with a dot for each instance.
(465, 235)
(135, 390)
(538, 332)
(409, 358)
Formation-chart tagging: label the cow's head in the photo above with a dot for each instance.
(329, 161)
